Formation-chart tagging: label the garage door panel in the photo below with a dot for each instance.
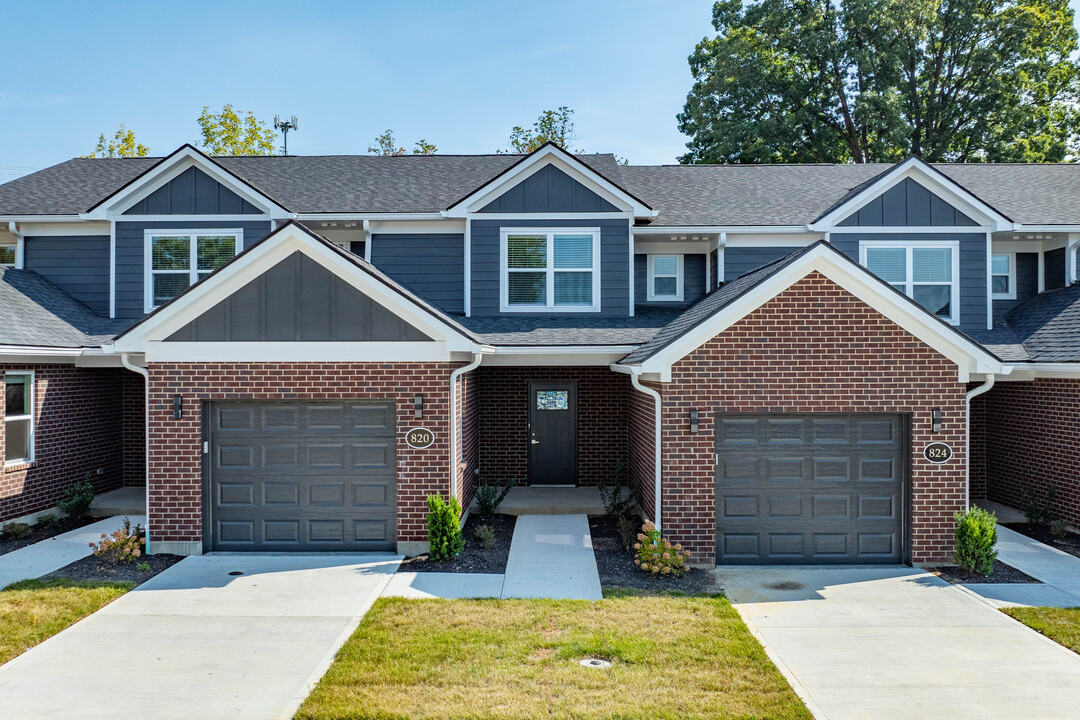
(371, 494)
(242, 493)
(830, 507)
(279, 419)
(739, 470)
(374, 454)
(782, 469)
(281, 493)
(230, 419)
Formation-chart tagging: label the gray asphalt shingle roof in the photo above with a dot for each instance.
(44, 315)
(1048, 325)
(582, 329)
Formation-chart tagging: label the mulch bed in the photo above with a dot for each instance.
(475, 558)
(37, 534)
(1070, 543)
(94, 568)
(1002, 574)
(617, 569)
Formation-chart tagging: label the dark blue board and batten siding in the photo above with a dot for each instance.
(193, 192)
(548, 190)
(77, 264)
(430, 265)
(907, 204)
(130, 239)
(614, 262)
(693, 281)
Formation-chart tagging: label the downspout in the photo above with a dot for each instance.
(976, 392)
(477, 357)
(658, 422)
(126, 362)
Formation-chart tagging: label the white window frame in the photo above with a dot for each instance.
(1011, 295)
(193, 267)
(550, 307)
(15, 254)
(909, 246)
(30, 417)
(651, 295)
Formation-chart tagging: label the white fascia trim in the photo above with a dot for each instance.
(167, 170)
(442, 226)
(968, 356)
(630, 267)
(562, 349)
(929, 178)
(112, 270)
(757, 242)
(158, 351)
(653, 247)
(63, 229)
(20, 245)
(518, 217)
(467, 274)
(913, 230)
(1011, 295)
(266, 255)
(551, 155)
(564, 357)
(1022, 228)
(22, 351)
(1031, 370)
(40, 218)
(331, 216)
(716, 229)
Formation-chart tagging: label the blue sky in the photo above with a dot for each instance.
(460, 73)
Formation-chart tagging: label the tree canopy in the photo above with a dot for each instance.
(552, 126)
(122, 144)
(385, 144)
(235, 133)
(877, 80)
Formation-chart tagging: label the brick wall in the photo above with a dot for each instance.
(977, 445)
(504, 420)
(812, 348)
(134, 400)
(175, 445)
(468, 401)
(641, 447)
(1033, 443)
(78, 428)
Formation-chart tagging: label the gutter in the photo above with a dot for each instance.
(985, 387)
(634, 373)
(124, 359)
(477, 357)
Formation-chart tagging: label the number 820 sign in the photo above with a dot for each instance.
(420, 438)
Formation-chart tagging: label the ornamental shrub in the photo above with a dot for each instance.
(976, 538)
(658, 556)
(489, 497)
(77, 498)
(485, 534)
(15, 531)
(124, 545)
(444, 528)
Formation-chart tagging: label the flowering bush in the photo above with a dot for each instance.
(658, 556)
(125, 544)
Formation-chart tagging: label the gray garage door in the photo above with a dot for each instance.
(809, 488)
(302, 476)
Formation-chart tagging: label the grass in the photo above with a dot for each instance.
(34, 610)
(1062, 625)
(673, 657)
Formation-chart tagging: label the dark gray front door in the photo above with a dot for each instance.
(301, 476)
(810, 488)
(552, 433)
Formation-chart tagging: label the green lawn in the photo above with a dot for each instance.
(673, 657)
(1059, 624)
(33, 610)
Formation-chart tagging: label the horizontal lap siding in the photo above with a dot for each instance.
(430, 265)
(77, 264)
(741, 260)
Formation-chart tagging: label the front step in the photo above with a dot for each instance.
(122, 501)
(539, 500)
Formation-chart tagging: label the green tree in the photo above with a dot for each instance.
(385, 144)
(876, 80)
(235, 133)
(552, 126)
(122, 144)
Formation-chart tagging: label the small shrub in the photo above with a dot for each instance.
(976, 538)
(77, 498)
(628, 530)
(15, 530)
(124, 545)
(1059, 529)
(658, 556)
(618, 501)
(486, 535)
(143, 567)
(444, 528)
(44, 521)
(1038, 512)
(489, 497)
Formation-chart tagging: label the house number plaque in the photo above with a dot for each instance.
(937, 452)
(420, 438)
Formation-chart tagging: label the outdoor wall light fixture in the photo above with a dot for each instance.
(937, 420)
(177, 407)
(418, 406)
(693, 421)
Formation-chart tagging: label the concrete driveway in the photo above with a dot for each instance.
(199, 642)
(897, 642)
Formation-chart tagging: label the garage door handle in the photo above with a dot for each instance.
(534, 441)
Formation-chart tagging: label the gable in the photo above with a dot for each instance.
(548, 190)
(907, 204)
(298, 300)
(193, 192)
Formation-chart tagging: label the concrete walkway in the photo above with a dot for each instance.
(199, 642)
(1042, 562)
(43, 557)
(898, 642)
(551, 556)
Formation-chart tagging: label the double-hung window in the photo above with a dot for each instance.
(665, 278)
(177, 259)
(550, 270)
(927, 272)
(18, 417)
(7, 255)
(1003, 276)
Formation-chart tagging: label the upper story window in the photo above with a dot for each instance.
(18, 417)
(177, 259)
(1003, 276)
(665, 278)
(555, 269)
(7, 255)
(927, 272)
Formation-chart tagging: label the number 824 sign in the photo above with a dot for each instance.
(937, 452)
(420, 438)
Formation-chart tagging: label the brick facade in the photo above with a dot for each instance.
(977, 445)
(812, 348)
(175, 445)
(134, 399)
(641, 450)
(468, 401)
(1032, 432)
(78, 429)
(504, 421)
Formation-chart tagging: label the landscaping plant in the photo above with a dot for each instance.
(619, 506)
(976, 538)
(77, 498)
(1059, 529)
(489, 497)
(1040, 513)
(124, 545)
(444, 528)
(45, 520)
(486, 535)
(15, 530)
(143, 567)
(658, 556)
